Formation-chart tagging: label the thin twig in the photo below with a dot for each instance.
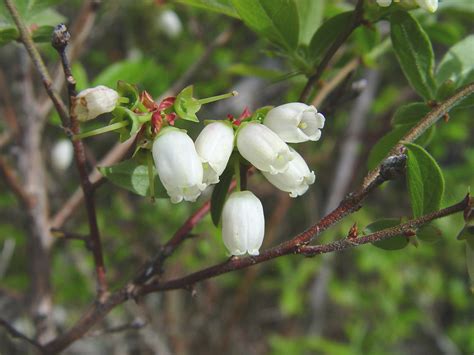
(356, 20)
(335, 81)
(426, 122)
(19, 335)
(81, 29)
(236, 263)
(60, 41)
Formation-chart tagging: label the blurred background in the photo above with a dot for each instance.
(366, 300)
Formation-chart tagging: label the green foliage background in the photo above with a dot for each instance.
(413, 300)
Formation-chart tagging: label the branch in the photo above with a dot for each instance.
(19, 335)
(426, 122)
(356, 20)
(292, 247)
(60, 41)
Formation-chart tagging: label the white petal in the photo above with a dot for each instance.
(384, 3)
(296, 179)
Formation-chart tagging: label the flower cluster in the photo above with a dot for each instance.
(429, 5)
(186, 167)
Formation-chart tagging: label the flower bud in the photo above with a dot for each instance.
(263, 148)
(62, 154)
(92, 102)
(296, 179)
(214, 146)
(243, 223)
(178, 165)
(295, 122)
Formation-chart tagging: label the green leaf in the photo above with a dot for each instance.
(410, 113)
(327, 34)
(136, 119)
(129, 91)
(220, 193)
(414, 52)
(186, 105)
(310, 14)
(387, 142)
(130, 71)
(277, 20)
(457, 63)
(221, 6)
(8, 34)
(429, 233)
(132, 175)
(425, 180)
(394, 243)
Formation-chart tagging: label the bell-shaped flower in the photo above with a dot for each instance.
(92, 102)
(296, 179)
(295, 122)
(178, 165)
(214, 146)
(263, 148)
(62, 154)
(243, 223)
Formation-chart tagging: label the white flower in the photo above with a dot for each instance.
(429, 5)
(92, 102)
(178, 165)
(62, 154)
(243, 223)
(263, 148)
(214, 146)
(169, 23)
(295, 122)
(296, 179)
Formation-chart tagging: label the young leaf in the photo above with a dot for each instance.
(186, 105)
(133, 175)
(429, 233)
(457, 63)
(220, 193)
(414, 52)
(387, 142)
(8, 34)
(394, 243)
(425, 180)
(129, 91)
(410, 113)
(327, 34)
(277, 20)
